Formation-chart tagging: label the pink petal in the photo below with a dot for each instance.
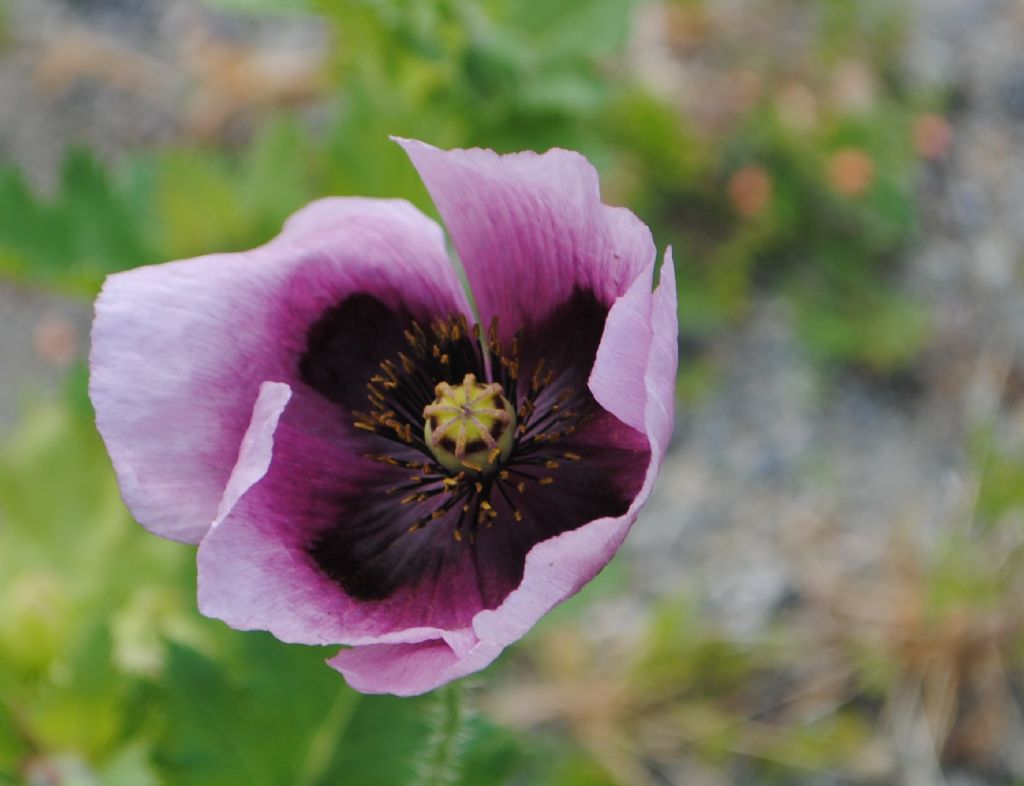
(401, 669)
(531, 228)
(179, 350)
(410, 669)
(617, 379)
(257, 445)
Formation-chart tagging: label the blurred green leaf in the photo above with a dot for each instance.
(218, 716)
(197, 200)
(84, 710)
(130, 766)
(383, 743)
(275, 177)
(882, 332)
(685, 653)
(566, 28)
(577, 770)
(250, 721)
(69, 558)
(493, 755)
(91, 227)
(1000, 469)
(12, 746)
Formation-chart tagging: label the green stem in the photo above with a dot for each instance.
(440, 763)
(326, 738)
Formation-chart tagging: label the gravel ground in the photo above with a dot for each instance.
(780, 460)
(779, 446)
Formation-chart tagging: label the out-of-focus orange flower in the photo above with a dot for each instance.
(686, 27)
(55, 341)
(851, 171)
(750, 190)
(933, 136)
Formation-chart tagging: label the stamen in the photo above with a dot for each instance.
(535, 382)
(474, 438)
(381, 458)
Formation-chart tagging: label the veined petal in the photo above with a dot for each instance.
(530, 229)
(179, 350)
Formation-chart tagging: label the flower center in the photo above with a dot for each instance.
(476, 435)
(469, 426)
(486, 443)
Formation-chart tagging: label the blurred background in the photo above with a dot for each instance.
(827, 587)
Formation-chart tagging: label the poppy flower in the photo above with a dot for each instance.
(362, 458)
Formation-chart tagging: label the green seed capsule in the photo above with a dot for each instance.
(469, 427)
